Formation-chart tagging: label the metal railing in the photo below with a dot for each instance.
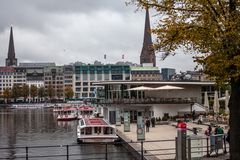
(164, 149)
(147, 101)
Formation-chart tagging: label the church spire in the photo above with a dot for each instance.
(147, 54)
(11, 60)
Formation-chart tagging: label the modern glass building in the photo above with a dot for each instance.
(85, 75)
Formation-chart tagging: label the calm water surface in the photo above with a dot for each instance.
(39, 127)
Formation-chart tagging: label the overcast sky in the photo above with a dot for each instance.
(66, 31)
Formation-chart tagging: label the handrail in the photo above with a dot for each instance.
(26, 152)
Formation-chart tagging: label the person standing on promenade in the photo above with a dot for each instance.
(153, 121)
(208, 132)
(228, 136)
(218, 130)
(147, 125)
(193, 115)
(185, 117)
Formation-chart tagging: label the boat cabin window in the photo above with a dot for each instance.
(105, 130)
(97, 130)
(82, 123)
(82, 131)
(88, 130)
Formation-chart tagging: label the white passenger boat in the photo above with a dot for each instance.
(86, 112)
(67, 114)
(95, 130)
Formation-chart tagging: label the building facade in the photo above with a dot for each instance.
(151, 103)
(68, 72)
(167, 73)
(54, 82)
(145, 73)
(86, 75)
(6, 78)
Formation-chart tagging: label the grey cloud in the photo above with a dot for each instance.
(65, 31)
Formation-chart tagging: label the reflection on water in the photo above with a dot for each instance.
(39, 127)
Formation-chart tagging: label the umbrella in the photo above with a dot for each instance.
(206, 102)
(216, 103)
(226, 101)
(168, 87)
(141, 88)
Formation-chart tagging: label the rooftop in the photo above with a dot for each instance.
(95, 121)
(148, 68)
(86, 108)
(37, 64)
(156, 82)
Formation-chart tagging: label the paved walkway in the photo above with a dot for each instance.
(164, 134)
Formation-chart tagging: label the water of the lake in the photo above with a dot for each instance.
(39, 127)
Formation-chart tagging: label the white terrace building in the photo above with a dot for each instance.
(6, 78)
(153, 103)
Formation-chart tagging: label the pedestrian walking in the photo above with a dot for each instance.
(147, 125)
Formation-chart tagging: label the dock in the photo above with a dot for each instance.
(159, 142)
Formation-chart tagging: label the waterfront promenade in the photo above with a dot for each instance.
(161, 149)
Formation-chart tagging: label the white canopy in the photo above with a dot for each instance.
(141, 88)
(216, 104)
(206, 102)
(168, 87)
(226, 101)
(195, 107)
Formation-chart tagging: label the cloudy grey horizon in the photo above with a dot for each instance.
(67, 31)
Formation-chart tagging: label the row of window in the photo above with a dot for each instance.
(84, 95)
(7, 80)
(54, 87)
(6, 85)
(50, 78)
(146, 75)
(78, 89)
(12, 76)
(9, 73)
(53, 82)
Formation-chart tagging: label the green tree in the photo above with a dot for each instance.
(41, 92)
(16, 92)
(68, 92)
(33, 91)
(7, 94)
(212, 29)
(25, 91)
(50, 92)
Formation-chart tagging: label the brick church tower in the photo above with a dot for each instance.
(147, 54)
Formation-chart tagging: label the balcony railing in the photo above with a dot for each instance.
(148, 101)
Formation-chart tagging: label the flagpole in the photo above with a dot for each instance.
(105, 59)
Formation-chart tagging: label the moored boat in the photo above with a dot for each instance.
(86, 112)
(60, 107)
(67, 114)
(95, 130)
